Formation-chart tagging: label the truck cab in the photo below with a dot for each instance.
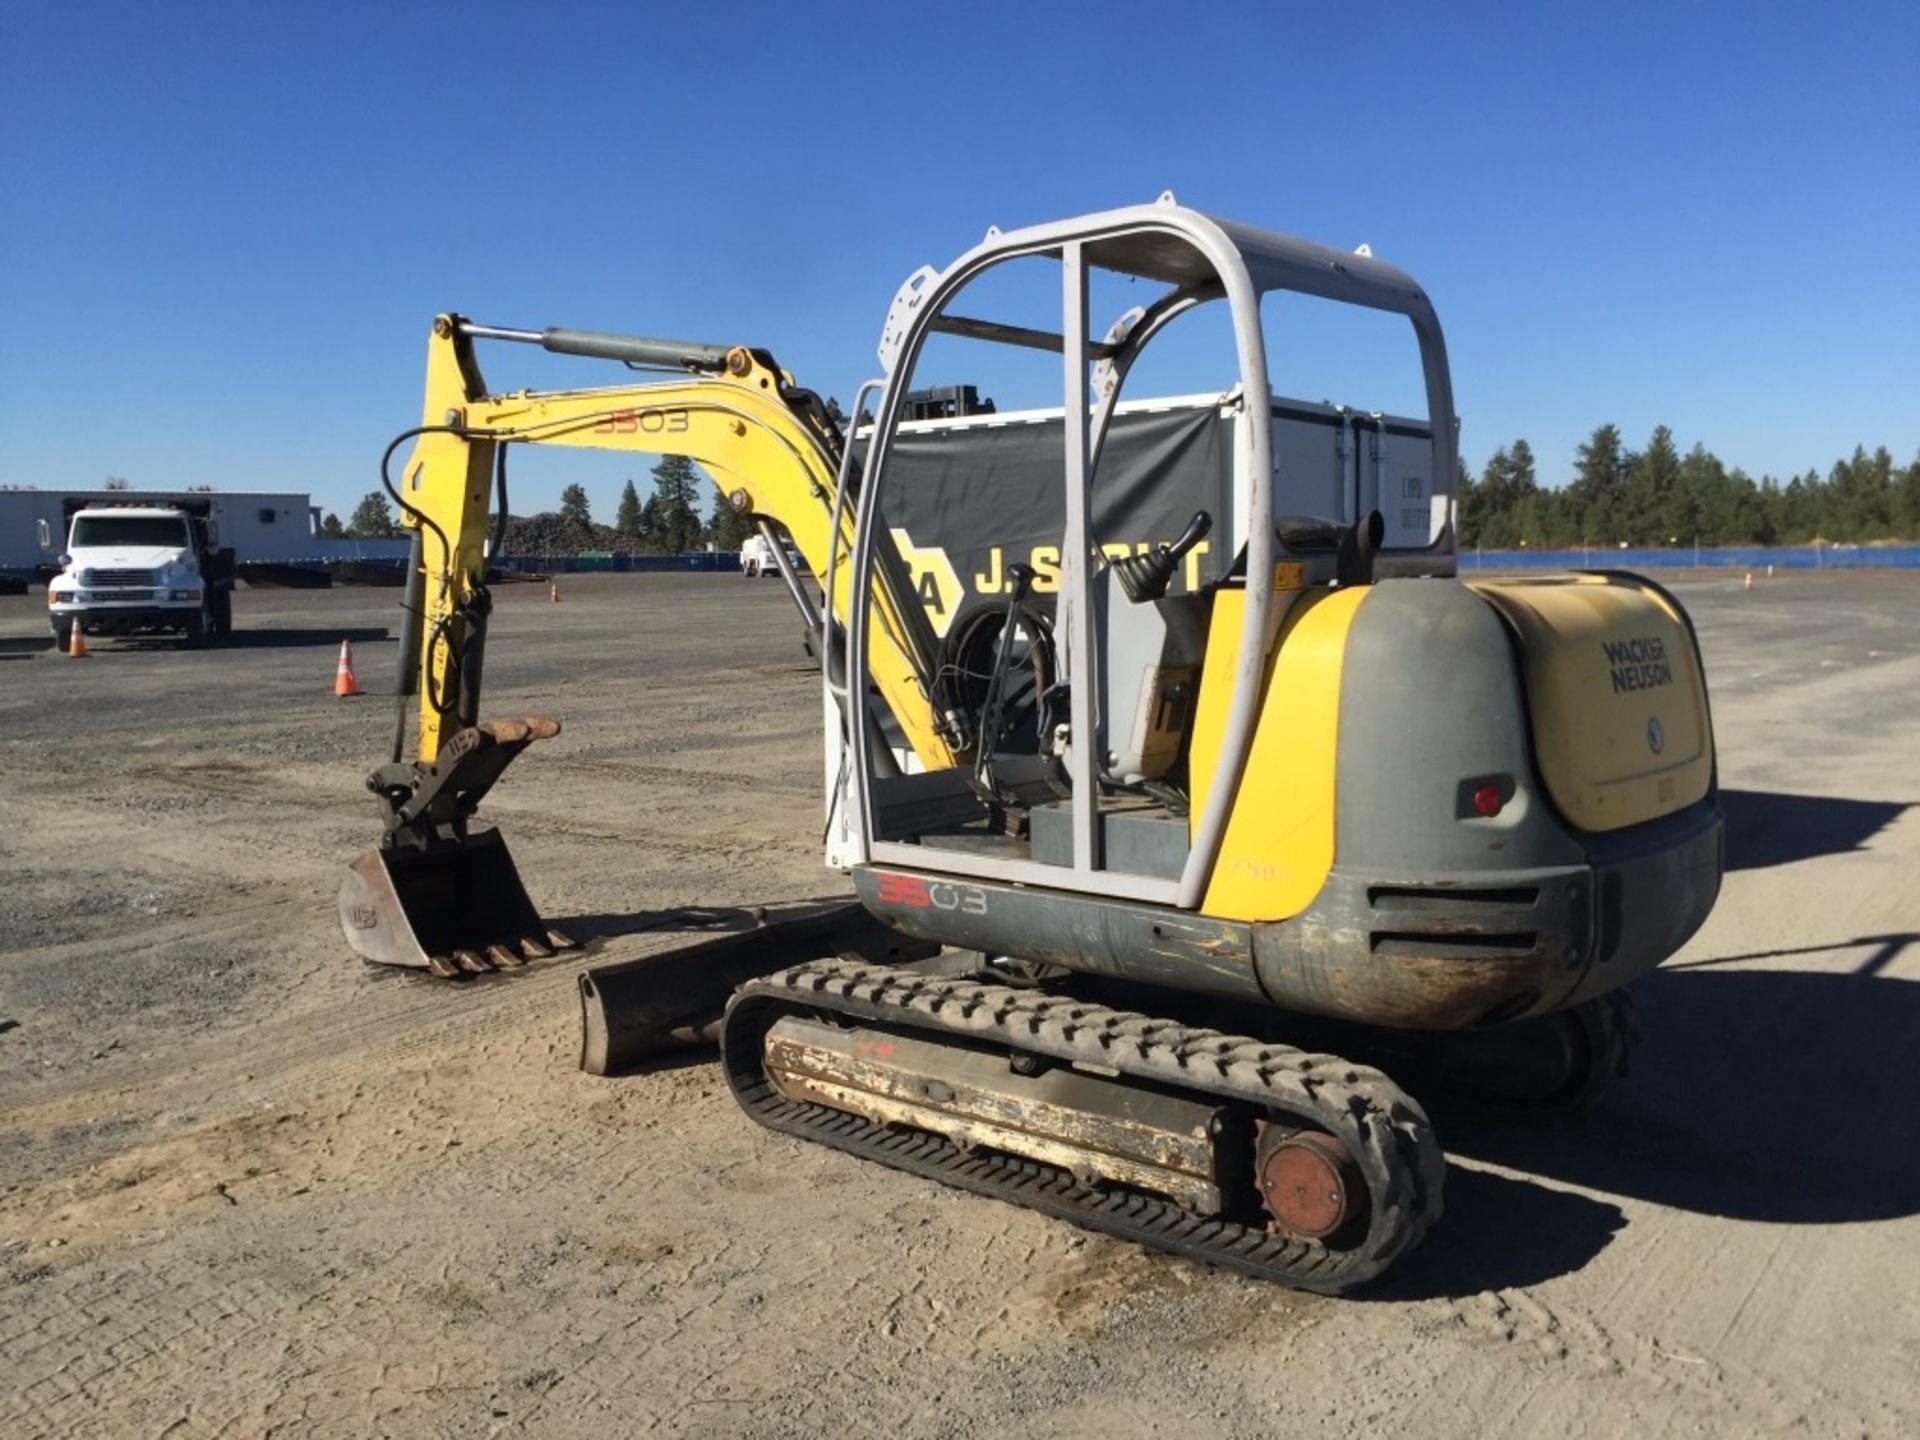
(141, 569)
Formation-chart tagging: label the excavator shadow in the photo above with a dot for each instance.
(1777, 1096)
(588, 932)
(1499, 1232)
(1769, 1095)
(715, 919)
(244, 639)
(1767, 828)
(706, 918)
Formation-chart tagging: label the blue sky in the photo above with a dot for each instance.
(227, 227)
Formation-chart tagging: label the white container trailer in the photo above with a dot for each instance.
(258, 525)
(976, 494)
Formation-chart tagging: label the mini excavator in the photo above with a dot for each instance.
(1113, 862)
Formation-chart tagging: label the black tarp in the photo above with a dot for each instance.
(990, 496)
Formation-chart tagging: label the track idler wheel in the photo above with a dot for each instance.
(1308, 1181)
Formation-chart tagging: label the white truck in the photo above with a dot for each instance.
(758, 557)
(141, 569)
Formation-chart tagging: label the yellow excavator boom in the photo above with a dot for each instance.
(766, 459)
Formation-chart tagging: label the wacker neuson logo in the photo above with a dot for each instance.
(1638, 664)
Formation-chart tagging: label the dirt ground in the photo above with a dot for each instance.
(250, 1186)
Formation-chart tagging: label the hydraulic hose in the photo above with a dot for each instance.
(445, 696)
(412, 608)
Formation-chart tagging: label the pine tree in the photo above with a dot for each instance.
(1596, 493)
(728, 529)
(1662, 498)
(1906, 502)
(1751, 518)
(627, 518)
(1862, 495)
(1653, 480)
(1507, 499)
(1802, 505)
(573, 506)
(1524, 478)
(1702, 504)
(1547, 522)
(1496, 524)
(371, 519)
(1467, 507)
(674, 526)
(1523, 494)
(331, 528)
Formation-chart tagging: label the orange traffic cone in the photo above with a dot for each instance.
(77, 642)
(553, 591)
(343, 681)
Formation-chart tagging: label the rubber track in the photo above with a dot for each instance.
(1384, 1128)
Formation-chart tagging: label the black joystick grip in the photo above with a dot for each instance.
(1146, 577)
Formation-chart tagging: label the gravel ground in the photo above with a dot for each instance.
(249, 1186)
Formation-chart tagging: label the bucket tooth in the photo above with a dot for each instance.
(533, 949)
(443, 967)
(559, 940)
(472, 961)
(503, 958)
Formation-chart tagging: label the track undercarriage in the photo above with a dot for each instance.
(1275, 1162)
(1264, 1155)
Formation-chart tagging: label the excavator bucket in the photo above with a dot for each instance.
(459, 909)
(435, 895)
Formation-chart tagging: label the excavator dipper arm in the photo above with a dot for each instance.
(773, 452)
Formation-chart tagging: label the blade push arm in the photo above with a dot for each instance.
(732, 415)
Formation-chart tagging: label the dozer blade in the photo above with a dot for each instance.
(428, 909)
(674, 998)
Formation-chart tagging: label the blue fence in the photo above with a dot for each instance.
(366, 567)
(620, 564)
(1751, 557)
(1747, 557)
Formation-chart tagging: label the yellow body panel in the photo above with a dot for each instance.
(734, 425)
(1615, 694)
(1278, 845)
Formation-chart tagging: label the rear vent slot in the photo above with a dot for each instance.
(1424, 900)
(1612, 923)
(1392, 943)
